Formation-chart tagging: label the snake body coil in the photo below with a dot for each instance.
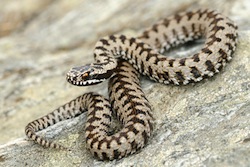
(127, 100)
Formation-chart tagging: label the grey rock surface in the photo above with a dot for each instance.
(204, 124)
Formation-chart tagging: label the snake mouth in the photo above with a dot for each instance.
(84, 83)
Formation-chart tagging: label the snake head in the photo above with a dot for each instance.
(89, 74)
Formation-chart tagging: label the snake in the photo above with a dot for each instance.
(122, 59)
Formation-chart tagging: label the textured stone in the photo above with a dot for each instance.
(205, 124)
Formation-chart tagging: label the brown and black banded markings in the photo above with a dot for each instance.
(126, 99)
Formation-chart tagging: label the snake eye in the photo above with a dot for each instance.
(85, 75)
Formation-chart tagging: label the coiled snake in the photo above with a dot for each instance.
(127, 101)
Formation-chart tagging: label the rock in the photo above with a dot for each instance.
(15, 14)
(205, 124)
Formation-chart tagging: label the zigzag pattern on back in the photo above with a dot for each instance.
(127, 101)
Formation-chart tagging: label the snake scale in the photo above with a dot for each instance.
(121, 59)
